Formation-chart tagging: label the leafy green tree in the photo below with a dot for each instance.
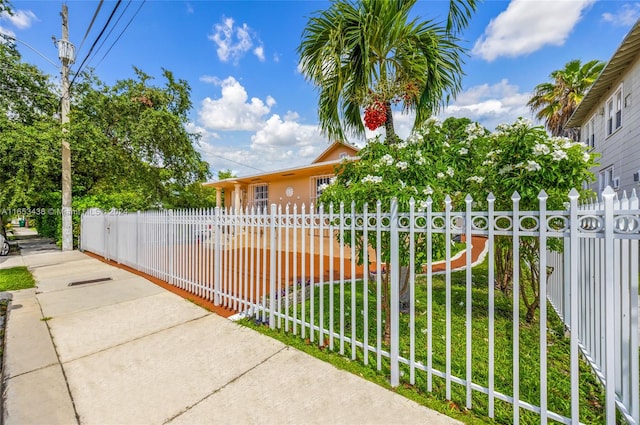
(130, 146)
(554, 102)
(132, 137)
(29, 134)
(370, 54)
(225, 174)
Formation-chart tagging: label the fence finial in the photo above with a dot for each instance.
(543, 195)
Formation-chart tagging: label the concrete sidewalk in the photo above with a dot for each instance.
(125, 351)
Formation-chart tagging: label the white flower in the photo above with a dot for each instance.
(522, 123)
(586, 157)
(445, 144)
(422, 205)
(476, 179)
(401, 145)
(463, 151)
(488, 162)
(414, 138)
(440, 175)
(322, 187)
(372, 179)
(435, 121)
(450, 171)
(387, 159)
(402, 165)
(420, 160)
(540, 149)
(428, 191)
(403, 184)
(533, 166)
(559, 155)
(505, 169)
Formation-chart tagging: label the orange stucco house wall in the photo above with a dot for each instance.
(294, 186)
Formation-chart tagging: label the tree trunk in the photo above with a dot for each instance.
(386, 307)
(390, 132)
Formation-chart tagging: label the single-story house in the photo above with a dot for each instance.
(293, 186)
(609, 118)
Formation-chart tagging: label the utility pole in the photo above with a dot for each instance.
(66, 53)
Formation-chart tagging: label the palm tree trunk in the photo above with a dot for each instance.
(390, 132)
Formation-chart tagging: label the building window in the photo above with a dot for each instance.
(318, 185)
(605, 178)
(614, 112)
(590, 133)
(260, 196)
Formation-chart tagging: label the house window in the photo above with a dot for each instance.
(605, 178)
(591, 133)
(614, 112)
(318, 184)
(260, 196)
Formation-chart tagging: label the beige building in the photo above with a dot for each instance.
(293, 186)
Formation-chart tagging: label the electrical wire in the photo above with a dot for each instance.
(235, 162)
(104, 28)
(122, 32)
(95, 15)
(9, 37)
(104, 39)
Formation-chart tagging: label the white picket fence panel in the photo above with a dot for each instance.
(263, 263)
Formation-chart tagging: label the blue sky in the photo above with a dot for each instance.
(254, 109)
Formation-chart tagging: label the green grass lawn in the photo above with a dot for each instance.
(558, 350)
(16, 278)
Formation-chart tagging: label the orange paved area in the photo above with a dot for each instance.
(238, 281)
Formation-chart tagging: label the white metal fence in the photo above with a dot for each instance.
(293, 270)
(601, 262)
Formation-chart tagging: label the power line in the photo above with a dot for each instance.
(113, 27)
(104, 28)
(9, 37)
(122, 32)
(95, 15)
(236, 162)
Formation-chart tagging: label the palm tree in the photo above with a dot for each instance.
(368, 53)
(555, 101)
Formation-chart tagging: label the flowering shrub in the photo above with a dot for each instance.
(460, 157)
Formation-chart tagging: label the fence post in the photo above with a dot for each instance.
(574, 243)
(542, 223)
(610, 306)
(137, 239)
(217, 264)
(272, 267)
(394, 271)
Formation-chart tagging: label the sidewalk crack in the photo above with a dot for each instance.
(64, 373)
(186, 409)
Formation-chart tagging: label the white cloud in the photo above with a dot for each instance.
(627, 15)
(234, 41)
(259, 52)
(279, 144)
(22, 19)
(490, 105)
(7, 32)
(233, 110)
(280, 133)
(276, 143)
(529, 25)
